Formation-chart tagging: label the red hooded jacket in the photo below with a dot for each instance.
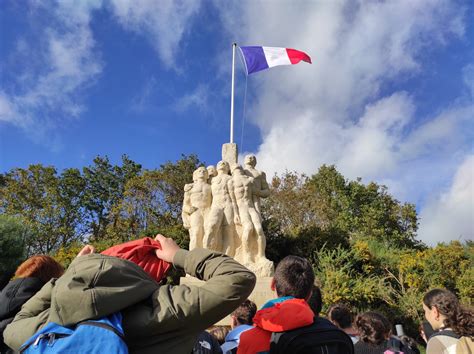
(277, 315)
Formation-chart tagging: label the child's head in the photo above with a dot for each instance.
(244, 313)
(373, 327)
(294, 276)
(40, 266)
(340, 315)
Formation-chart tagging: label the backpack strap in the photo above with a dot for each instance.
(447, 333)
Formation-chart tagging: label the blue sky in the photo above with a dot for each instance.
(389, 96)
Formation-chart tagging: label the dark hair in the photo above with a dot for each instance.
(40, 266)
(373, 327)
(294, 276)
(460, 319)
(245, 312)
(219, 332)
(316, 300)
(340, 315)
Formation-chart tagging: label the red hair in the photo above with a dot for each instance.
(41, 267)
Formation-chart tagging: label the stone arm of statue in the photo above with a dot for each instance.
(230, 187)
(188, 209)
(264, 187)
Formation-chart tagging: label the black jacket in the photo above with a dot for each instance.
(206, 344)
(12, 297)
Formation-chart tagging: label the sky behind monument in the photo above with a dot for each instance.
(389, 96)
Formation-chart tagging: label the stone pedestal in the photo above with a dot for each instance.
(230, 153)
(260, 294)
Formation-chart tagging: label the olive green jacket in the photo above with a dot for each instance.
(156, 318)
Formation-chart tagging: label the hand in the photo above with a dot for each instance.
(87, 249)
(168, 248)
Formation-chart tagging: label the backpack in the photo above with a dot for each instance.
(101, 336)
(395, 347)
(319, 337)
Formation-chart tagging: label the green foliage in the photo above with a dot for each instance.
(14, 235)
(49, 204)
(104, 189)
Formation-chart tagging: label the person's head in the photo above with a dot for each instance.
(294, 276)
(244, 314)
(373, 327)
(223, 167)
(340, 315)
(250, 160)
(200, 174)
(219, 332)
(442, 309)
(316, 300)
(40, 266)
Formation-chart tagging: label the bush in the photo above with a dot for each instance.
(13, 237)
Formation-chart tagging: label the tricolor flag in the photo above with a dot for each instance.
(261, 58)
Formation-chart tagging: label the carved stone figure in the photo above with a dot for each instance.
(249, 216)
(212, 172)
(261, 188)
(219, 228)
(196, 205)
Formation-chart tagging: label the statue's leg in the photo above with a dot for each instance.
(211, 228)
(261, 241)
(247, 229)
(228, 246)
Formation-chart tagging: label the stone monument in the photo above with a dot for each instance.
(221, 210)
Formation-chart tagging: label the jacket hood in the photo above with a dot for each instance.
(96, 285)
(16, 293)
(283, 315)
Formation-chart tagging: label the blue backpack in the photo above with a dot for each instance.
(101, 336)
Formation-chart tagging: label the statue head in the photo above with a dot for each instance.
(223, 166)
(211, 171)
(237, 170)
(250, 160)
(200, 174)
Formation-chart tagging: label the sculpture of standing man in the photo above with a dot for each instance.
(261, 188)
(249, 216)
(219, 228)
(196, 205)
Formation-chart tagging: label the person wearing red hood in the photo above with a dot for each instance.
(293, 282)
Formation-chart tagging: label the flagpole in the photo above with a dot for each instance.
(234, 45)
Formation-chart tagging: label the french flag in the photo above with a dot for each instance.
(260, 58)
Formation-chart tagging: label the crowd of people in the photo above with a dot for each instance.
(123, 290)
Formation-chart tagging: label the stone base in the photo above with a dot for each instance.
(262, 268)
(260, 294)
(230, 153)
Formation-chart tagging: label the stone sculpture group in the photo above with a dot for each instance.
(221, 210)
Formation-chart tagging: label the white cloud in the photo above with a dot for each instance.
(450, 215)
(197, 99)
(62, 58)
(164, 22)
(63, 64)
(343, 108)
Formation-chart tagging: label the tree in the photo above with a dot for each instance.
(104, 189)
(48, 204)
(152, 202)
(14, 235)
